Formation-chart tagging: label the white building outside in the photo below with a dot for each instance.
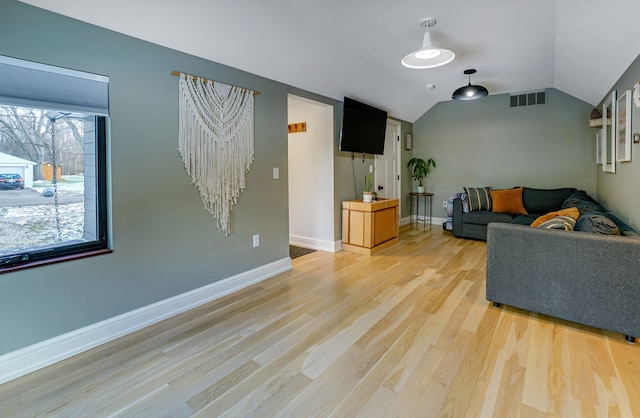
(15, 165)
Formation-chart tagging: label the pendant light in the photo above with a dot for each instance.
(428, 56)
(470, 91)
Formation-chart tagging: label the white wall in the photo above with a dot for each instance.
(311, 194)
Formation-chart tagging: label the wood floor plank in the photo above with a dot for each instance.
(322, 355)
(582, 371)
(510, 387)
(627, 361)
(378, 404)
(503, 345)
(322, 397)
(470, 383)
(408, 398)
(221, 386)
(278, 399)
(158, 403)
(410, 348)
(266, 399)
(539, 353)
(407, 332)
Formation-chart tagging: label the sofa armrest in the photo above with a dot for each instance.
(583, 277)
(457, 217)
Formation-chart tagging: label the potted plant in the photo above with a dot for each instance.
(419, 170)
(367, 194)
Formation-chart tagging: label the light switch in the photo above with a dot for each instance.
(276, 173)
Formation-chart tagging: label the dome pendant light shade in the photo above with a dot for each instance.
(428, 56)
(470, 91)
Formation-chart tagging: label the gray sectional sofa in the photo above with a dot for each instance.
(473, 224)
(590, 276)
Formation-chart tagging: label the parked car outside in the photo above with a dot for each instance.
(11, 181)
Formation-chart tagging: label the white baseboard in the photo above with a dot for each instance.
(434, 220)
(26, 360)
(438, 221)
(315, 244)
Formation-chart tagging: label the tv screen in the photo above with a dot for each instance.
(363, 128)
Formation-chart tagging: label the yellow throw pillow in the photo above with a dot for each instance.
(508, 201)
(570, 212)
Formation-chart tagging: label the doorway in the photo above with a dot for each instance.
(311, 175)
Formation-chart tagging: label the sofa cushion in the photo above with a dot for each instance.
(624, 228)
(508, 201)
(545, 200)
(483, 217)
(597, 222)
(585, 203)
(479, 198)
(585, 206)
(574, 213)
(566, 223)
(525, 219)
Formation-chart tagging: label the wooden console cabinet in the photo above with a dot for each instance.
(369, 227)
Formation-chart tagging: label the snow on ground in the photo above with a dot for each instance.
(28, 226)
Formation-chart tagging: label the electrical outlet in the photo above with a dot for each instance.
(256, 240)
(444, 204)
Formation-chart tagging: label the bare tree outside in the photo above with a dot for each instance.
(37, 220)
(25, 133)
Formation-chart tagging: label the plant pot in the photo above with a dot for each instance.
(367, 197)
(420, 189)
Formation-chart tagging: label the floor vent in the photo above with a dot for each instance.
(528, 99)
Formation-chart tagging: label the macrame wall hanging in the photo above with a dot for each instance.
(215, 141)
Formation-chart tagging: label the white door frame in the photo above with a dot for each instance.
(314, 149)
(398, 150)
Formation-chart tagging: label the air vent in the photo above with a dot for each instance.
(528, 99)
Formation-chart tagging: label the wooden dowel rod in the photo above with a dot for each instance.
(206, 80)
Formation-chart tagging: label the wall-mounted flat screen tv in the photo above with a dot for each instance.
(363, 128)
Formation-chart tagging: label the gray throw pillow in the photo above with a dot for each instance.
(479, 198)
(598, 223)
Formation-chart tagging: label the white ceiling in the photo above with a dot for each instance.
(353, 48)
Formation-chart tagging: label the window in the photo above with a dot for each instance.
(53, 135)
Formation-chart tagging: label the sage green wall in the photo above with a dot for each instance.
(618, 192)
(165, 243)
(487, 143)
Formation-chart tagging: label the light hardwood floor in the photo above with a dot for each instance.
(405, 333)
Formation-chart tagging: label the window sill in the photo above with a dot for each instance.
(54, 260)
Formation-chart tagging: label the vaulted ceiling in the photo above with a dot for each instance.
(353, 48)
